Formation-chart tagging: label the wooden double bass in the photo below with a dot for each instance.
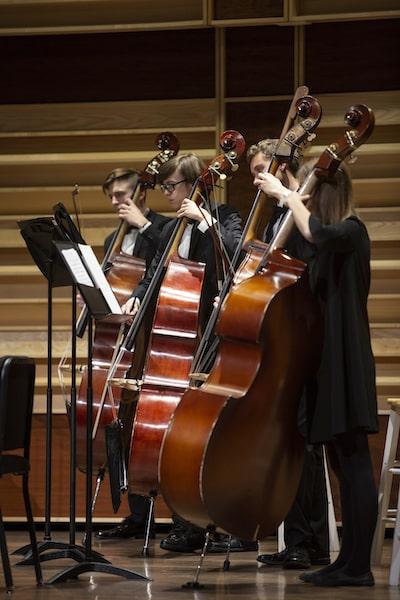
(294, 137)
(174, 336)
(123, 272)
(231, 455)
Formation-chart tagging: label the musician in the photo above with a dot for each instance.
(341, 399)
(145, 225)
(176, 178)
(141, 240)
(306, 530)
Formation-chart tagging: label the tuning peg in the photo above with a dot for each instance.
(311, 137)
(222, 176)
(235, 168)
(352, 159)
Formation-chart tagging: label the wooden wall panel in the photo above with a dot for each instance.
(12, 506)
(247, 9)
(254, 59)
(315, 10)
(100, 15)
(361, 56)
(122, 66)
(12, 498)
(99, 117)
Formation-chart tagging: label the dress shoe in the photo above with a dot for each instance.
(220, 545)
(124, 530)
(295, 557)
(273, 560)
(340, 578)
(183, 540)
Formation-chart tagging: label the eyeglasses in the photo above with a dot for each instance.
(170, 187)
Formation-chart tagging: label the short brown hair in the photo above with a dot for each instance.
(120, 174)
(268, 148)
(190, 165)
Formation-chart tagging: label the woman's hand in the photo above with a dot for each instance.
(292, 199)
(190, 210)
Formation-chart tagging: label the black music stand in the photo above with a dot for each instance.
(39, 235)
(97, 295)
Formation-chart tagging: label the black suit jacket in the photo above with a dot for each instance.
(147, 242)
(201, 250)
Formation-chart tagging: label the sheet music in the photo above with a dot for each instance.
(77, 267)
(99, 278)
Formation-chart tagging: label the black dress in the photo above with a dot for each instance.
(343, 395)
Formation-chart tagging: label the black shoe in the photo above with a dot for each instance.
(221, 545)
(295, 557)
(309, 577)
(273, 560)
(183, 540)
(124, 530)
(339, 578)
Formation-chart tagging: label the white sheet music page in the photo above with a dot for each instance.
(99, 278)
(77, 267)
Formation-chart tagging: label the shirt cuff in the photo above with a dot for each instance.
(203, 225)
(143, 229)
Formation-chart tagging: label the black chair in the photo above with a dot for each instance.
(17, 382)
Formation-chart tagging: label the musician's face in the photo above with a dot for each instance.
(260, 163)
(119, 192)
(176, 189)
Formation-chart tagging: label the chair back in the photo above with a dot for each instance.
(17, 383)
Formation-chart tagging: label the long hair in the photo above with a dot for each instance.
(332, 201)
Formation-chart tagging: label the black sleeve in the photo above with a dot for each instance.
(141, 289)
(152, 234)
(229, 226)
(340, 237)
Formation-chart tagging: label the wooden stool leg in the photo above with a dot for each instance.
(334, 545)
(394, 574)
(281, 537)
(385, 485)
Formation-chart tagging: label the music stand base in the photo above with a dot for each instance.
(94, 567)
(75, 552)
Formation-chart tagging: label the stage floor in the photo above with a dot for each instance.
(167, 572)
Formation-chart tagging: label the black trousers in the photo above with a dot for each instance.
(307, 521)
(139, 507)
(350, 459)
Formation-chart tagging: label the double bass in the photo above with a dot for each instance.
(294, 137)
(174, 335)
(232, 455)
(123, 272)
